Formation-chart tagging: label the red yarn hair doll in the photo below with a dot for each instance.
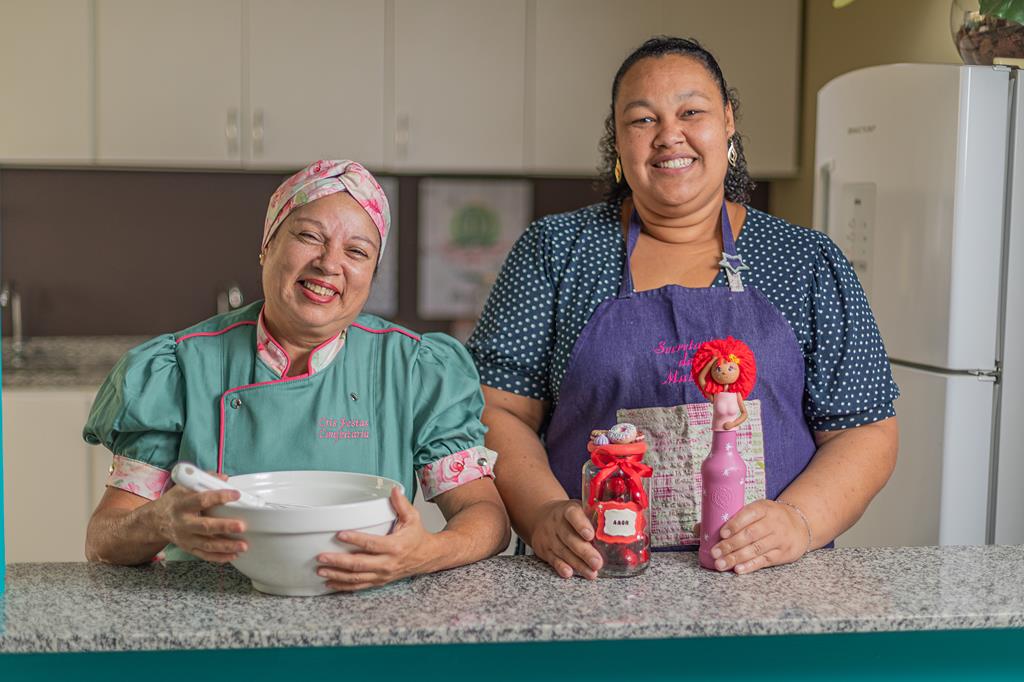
(724, 371)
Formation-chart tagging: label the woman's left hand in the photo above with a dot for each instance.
(380, 559)
(763, 533)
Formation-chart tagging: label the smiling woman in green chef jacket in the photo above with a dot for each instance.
(300, 381)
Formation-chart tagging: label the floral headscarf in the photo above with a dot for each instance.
(321, 179)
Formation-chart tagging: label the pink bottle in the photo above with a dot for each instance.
(723, 475)
(725, 371)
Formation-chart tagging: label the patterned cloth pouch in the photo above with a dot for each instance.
(678, 441)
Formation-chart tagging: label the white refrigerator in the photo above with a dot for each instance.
(920, 180)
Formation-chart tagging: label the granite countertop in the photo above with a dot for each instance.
(64, 361)
(195, 605)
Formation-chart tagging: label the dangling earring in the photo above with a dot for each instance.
(732, 154)
(261, 257)
(618, 170)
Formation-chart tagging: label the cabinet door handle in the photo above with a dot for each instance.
(402, 136)
(257, 131)
(231, 130)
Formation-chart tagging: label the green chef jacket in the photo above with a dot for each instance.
(389, 403)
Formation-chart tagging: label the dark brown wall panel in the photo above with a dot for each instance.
(105, 252)
(97, 252)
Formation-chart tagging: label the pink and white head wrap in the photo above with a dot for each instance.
(321, 179)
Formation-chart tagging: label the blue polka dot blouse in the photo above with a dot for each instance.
(565, 265)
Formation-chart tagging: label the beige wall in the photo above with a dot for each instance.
(866, 33)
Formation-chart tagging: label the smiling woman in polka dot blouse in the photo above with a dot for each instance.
(597, 312)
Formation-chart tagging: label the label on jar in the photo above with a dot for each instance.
(619, 522)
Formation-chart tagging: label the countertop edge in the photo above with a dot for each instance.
(253, 639)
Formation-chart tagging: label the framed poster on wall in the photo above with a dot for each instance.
(466, 229)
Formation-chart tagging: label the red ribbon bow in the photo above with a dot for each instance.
(629, 463)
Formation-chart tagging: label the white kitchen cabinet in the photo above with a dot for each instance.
(577, 48)
(169, 83)
(758, 46)
(459, 83)
(316, 82)
(465, 86)
(52, 478)
(46, 81)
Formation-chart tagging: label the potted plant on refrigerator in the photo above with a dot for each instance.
(985, 31)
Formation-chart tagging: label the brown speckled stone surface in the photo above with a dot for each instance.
(194, 605)
(63, 361)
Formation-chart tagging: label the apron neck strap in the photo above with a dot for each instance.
(730, 260)
(728, 243)
(626, 288)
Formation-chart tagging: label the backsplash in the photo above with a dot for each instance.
(99, 252)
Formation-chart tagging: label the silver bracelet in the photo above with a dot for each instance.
(803, 517)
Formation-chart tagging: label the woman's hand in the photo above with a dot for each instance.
(561, 536)
(556, 528)
(180, 519)
(763, 533)
(380, 559)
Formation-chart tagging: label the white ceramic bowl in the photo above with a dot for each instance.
(284, 543)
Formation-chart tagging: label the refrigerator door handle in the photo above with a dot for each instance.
(987, 375)
(992, 376)
(825, 176)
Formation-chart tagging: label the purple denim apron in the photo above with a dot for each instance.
(633, 353)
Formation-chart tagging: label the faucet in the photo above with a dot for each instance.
(229, 298)
(9, 298)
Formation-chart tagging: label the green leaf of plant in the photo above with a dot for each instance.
(1011, 10)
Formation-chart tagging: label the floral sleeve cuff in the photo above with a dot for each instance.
(140, 478)
(456, 469)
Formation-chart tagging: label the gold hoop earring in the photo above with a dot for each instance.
(618, 170)
(732, 154)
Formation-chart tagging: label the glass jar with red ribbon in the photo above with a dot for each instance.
(616, 499)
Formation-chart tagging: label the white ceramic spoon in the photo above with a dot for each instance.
(195, 479)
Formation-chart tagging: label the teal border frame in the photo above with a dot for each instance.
(935, 655)
(3, 555)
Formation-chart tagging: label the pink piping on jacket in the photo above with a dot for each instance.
(284, 378)
(216, 333)
(385, 331)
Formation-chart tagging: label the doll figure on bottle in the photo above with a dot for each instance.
(725, 372)
(615, 497)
